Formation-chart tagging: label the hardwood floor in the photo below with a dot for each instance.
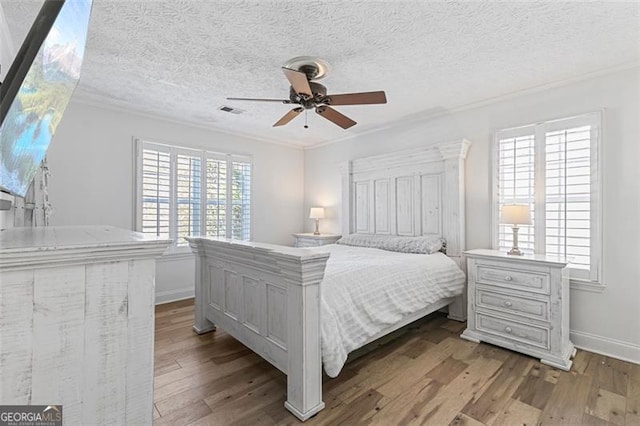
(424, 374)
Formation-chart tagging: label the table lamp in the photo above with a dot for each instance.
(514, 215)
(316, 213)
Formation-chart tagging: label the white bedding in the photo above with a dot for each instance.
(366, 290)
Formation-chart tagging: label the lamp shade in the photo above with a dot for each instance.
(316, 213)
(515, 214)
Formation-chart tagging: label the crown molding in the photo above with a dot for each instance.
(422, 117)
(84, 100)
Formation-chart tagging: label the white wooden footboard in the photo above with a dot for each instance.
(267, 297)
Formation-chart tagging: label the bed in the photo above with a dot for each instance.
(269, 297)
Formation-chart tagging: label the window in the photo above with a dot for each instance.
(184, 192)
(553, 168)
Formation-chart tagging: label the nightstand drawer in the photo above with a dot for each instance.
(514, 331)
(311, 240)
(536, 282)
(303, 242)
(532, 308)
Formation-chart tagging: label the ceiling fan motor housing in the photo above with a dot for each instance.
(318, 91)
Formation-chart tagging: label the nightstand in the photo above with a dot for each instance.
(520, 303)
(310, 240)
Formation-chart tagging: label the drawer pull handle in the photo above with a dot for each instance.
(508, 304)
(508, 278)
(508, 329)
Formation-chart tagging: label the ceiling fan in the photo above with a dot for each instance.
(301, 72)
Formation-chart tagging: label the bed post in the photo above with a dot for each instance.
(202, 325)
(453, 214)
(304, 357)
(346, 172)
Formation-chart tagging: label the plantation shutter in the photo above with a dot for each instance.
(569, 189)
(156, 192)
(553, 167)
(516, 184)
(188, 197)
(216, 222)
(241, 200)
(185, 192)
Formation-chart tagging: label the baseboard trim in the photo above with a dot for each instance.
(174, 295)
(618, 349)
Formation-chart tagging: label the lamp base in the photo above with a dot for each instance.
(317, 231)
(515, 251)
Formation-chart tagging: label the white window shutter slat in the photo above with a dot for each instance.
(186, 192)
(216, 190)
(553, 166)
(156, 174)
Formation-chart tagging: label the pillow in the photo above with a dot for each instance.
(422, 245)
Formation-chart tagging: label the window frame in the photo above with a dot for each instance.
(204, 154)
(539, 131)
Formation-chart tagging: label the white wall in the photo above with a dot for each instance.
(606, 322)
(92, 179)
(7, 51)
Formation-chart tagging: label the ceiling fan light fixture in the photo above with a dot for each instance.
(300, 72)
(315, 68)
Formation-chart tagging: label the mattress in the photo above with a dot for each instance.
(367, 290)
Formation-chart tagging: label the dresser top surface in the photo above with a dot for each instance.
(23, 239)
(501, 255)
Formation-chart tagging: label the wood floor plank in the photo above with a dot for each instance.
(581, 361)
(174, 350)
(358, 411)
(423, 373)
(606, 405)
(171, 384)
(611, 378)
(534, 389)
(416, 347)
(184, 416)
(632, 416)
(168, 307)
(588, 420)
(516, 413)
(437, 335)
(431, 403)
(499, 392)
(226, 411)
(456, 327)
(485, 350)
(226, 387)
(165, 367)
(415, 371)
(464, 420)
(567, 402)
(257, 418)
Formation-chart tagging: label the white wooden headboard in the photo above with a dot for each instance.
(413, 192)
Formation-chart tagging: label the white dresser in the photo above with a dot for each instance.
(520, 303)
(310, 240)
(77, 321)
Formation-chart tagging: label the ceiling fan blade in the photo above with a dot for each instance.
(362, 98)
(283, 101)
(288, 117)
(298, 81)
(335, 117)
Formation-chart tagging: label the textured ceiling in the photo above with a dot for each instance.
(180, 59)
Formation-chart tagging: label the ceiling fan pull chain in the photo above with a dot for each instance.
(305, 119)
